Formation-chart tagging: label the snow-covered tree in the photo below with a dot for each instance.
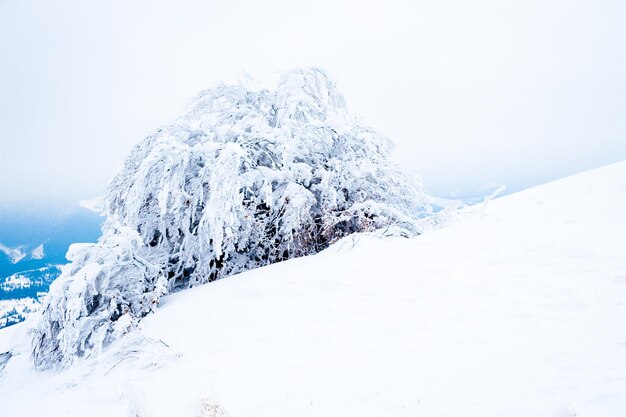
(247, 177)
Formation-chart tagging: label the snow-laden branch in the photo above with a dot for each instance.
(246, 178)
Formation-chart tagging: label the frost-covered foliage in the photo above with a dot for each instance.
(246, 178)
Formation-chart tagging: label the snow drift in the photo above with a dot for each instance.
(248, 177)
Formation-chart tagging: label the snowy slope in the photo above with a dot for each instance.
(517, 309)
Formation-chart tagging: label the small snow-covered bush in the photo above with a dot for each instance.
(246, 178)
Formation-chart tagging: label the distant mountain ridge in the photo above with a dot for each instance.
(34, 238)
(33, 244)
(14, 254)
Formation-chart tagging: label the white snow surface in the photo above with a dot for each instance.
(516, 309)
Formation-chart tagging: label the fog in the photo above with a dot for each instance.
(475, 94)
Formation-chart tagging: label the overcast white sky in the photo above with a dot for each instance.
(475, 93)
